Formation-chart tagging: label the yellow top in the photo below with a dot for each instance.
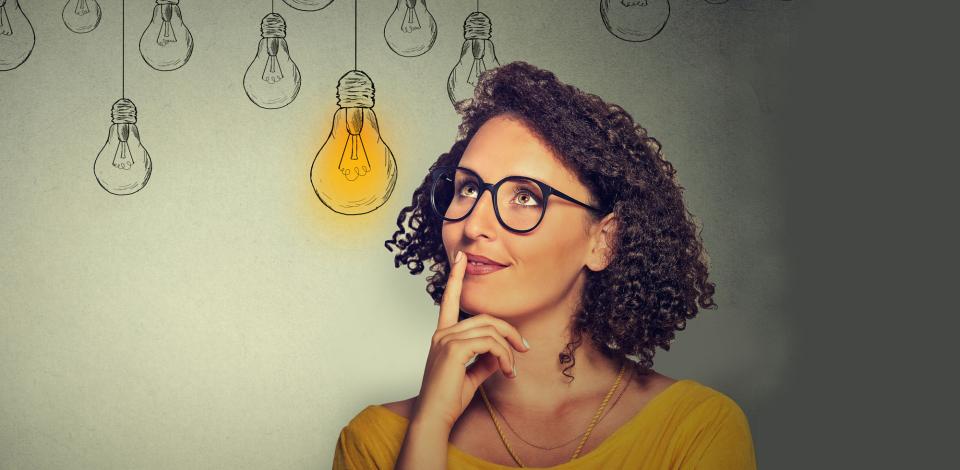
(686, 426)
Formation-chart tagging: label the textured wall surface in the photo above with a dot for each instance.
(222, 317)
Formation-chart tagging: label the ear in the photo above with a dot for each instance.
(602, 237)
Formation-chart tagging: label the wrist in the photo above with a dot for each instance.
(424, 446)
(430, 426)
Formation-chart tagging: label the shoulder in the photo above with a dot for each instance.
(683, 396)
(403, 408)
(375, 424)
(707, 402)
(696, 409)
(714, 429)
(371, 439)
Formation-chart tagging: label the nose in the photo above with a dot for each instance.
(482, 221)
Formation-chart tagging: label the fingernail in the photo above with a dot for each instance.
(525, 343)
(458, 257)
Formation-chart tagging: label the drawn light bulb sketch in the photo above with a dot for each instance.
(308, 5)
(123, 166)
(354, 172)
(16, 35)
(477, 55)
(411, 30)
(166, 44)
(635, 20)
(81, 16)
(272, 80)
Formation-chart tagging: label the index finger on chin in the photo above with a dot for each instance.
(450, 302)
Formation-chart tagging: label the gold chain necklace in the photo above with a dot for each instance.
(612, 405)
(586, 435)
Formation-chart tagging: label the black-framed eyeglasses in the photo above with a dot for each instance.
(519, 202)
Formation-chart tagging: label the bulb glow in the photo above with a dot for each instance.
(354, 171)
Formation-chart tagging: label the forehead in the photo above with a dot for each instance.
(505, 146)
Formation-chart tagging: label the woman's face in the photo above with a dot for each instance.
(544, 267)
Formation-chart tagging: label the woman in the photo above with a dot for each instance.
(563, 256)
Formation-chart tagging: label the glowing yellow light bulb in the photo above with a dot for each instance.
(354, 172)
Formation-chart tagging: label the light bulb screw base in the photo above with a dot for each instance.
(355, 90)
(273, 26)
(477, 26)
(124, 112)
(168, 2)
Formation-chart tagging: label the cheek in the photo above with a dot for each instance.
(557, 244)
(549, 260)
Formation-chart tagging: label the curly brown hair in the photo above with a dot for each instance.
(657, 277)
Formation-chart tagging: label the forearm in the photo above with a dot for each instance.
(424, 446)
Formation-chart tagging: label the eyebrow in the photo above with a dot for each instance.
(478, 173)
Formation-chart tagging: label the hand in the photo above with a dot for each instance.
(448, 386)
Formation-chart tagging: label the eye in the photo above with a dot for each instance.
(468, 189)
(525, 198)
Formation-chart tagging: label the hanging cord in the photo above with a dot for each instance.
(123, 49)
(355, 34)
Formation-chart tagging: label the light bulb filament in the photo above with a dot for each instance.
(272, 73)
(356, 148)
(478, 66)
(167, 34)
(123, 158)
(82, 8)
(411, 22)
(5, 22)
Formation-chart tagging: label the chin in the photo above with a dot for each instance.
(478, 302)
(493, 309)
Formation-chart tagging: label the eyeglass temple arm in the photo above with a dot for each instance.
(564, 196)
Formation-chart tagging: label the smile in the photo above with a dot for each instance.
(475, 268)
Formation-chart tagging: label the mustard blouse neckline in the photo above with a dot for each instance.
(599, 450)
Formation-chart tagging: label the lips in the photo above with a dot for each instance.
(479, 265)
(474, 259)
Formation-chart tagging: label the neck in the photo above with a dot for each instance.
(540, 385)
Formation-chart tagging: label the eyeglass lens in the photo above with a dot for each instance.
(519, 200)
